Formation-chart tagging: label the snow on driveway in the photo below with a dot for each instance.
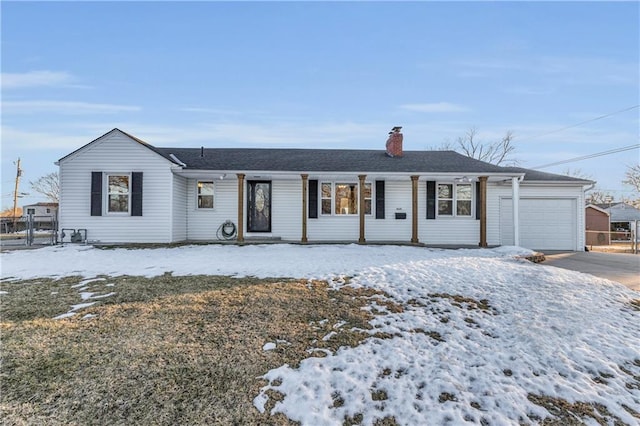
(480, 332)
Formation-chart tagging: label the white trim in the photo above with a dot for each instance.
(454, 201)
(107, 193)
(213, 201)
(598, 209)
(515, 206)
(174, 158)
(333, 184)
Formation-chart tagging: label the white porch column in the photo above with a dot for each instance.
(515, 196)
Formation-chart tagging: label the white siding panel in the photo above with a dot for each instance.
(445, 230)
(286, 210)
(179, 204)
(449, 231)
(117, 153)
(397, 200)
(202, 224)
(334, 228)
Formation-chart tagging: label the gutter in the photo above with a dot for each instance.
(176, 160)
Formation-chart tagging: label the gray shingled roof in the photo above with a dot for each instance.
(334, 160)
(621, 212)
(328, 160)
(536, 175)
(343, 160)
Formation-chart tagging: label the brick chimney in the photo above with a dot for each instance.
(394, 143)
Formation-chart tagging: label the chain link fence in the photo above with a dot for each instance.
(28, 231)
(618, 241)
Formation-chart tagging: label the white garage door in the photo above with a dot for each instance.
(545, 223)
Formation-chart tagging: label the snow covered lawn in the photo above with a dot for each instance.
(481, 336)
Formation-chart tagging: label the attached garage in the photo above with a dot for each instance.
(545, 223)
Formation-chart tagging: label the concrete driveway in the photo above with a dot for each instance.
(620, 267)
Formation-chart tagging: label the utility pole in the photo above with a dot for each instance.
(15, 194)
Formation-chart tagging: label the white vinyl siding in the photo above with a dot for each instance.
(179, 205)
(202, 224)
(397, 195)
(116, 153)
(286, 210)
(445, 230)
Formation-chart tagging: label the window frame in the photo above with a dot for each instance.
(333, 185)
(213, 195)
(454, 200)
(107, 194)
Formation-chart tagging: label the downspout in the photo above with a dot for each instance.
(584, 218)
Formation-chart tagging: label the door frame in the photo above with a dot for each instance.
(251, 204)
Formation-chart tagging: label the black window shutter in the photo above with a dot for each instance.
(477, 200)
(379, 199)
(313, 199)
(136, 194)
(431, 199)
(96, 193)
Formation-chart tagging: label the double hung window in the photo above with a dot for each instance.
(118, 193)
(342, 198)
(454, 200)
(205, 194)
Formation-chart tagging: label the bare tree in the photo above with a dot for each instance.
(599, 197)
(497, 152)
(48, 185)
(8, 212)
(577, 173)
(633, 177)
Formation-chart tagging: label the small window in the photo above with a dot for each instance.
(118, 193)
(326, 198)
(48, 210)
(463, 200)
(205, 194)
(445, 199)
(367, 198)
(455, 200)
(31, 211)
(342, 198)
(346, 198)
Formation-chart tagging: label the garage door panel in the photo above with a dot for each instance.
(545, 223)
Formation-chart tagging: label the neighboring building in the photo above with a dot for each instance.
(121, 189)
(597, 226)
(623, 219)
(41, 211)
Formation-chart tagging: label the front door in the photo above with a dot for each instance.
(259, 206)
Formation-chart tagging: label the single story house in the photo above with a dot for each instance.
(41, 211)
(121, 189)
(597, 226)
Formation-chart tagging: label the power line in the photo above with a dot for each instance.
(586, 157)
(581, 123)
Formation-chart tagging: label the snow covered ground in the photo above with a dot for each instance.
(481, 331)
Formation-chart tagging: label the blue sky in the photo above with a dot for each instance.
(321, 75)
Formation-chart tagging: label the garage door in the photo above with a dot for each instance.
(545, 223)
